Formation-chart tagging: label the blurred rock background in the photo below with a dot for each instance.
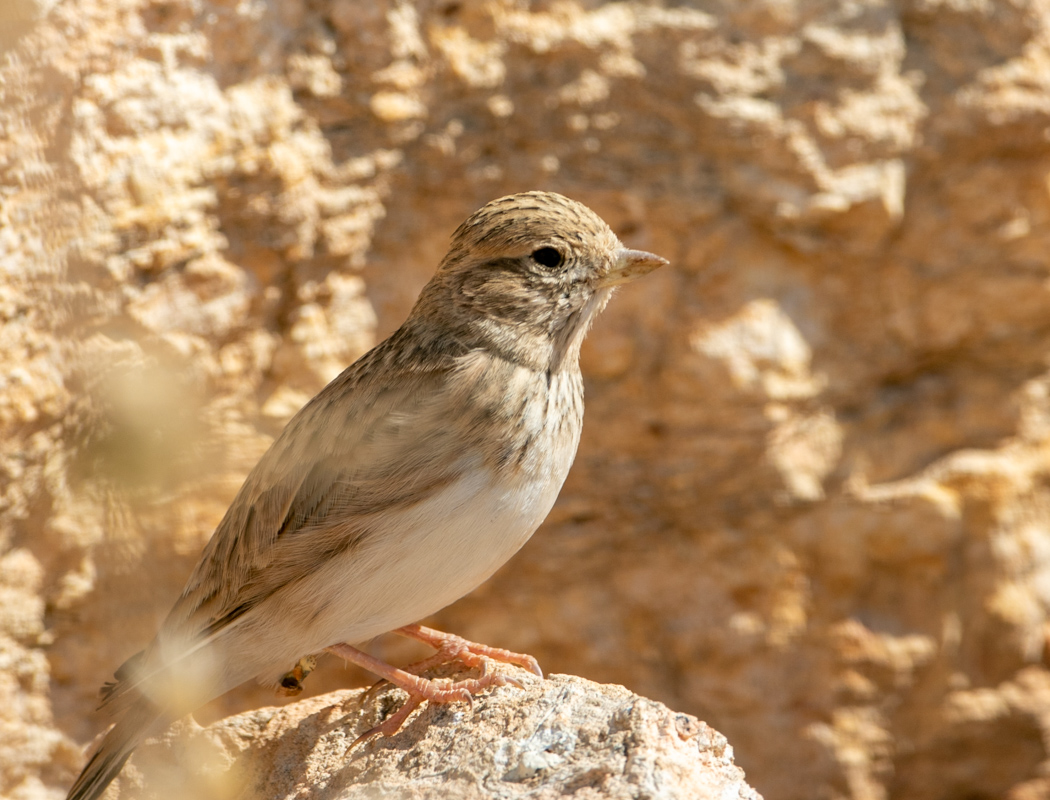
(812, 501)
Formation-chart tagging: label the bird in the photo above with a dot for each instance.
(400, 487)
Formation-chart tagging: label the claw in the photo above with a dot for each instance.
(364, 737)
(513, 682)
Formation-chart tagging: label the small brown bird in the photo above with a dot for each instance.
(404, 484)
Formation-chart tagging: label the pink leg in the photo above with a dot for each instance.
(419, 689)
(455, 648)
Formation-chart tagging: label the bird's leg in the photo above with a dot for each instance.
(451, 647)
(455, 648)
(419, 689)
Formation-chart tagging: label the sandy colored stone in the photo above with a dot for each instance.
(559, 737)
(810, 506)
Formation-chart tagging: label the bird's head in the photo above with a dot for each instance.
(526, 274)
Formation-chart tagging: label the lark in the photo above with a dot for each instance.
(403, 485)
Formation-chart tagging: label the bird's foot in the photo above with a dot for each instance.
(455, 648)
(451, 647)
(439, 690)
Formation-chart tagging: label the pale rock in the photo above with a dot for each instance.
(558, 737)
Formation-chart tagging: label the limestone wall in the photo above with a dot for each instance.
(812, 501)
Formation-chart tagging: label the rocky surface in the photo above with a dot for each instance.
(562, 737)
(811, 505)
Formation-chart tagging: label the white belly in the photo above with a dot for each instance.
(423, 558)
(440, 550)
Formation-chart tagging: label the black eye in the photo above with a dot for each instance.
(547, 257)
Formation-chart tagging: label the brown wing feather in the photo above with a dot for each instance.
(311, 493)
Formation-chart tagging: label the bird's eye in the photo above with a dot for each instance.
(547, 257)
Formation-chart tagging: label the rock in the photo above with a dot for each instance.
(559, 737)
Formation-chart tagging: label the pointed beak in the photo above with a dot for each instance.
(630, 264)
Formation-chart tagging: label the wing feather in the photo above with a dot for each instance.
(312, 495)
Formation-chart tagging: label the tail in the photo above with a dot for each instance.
(134, 725)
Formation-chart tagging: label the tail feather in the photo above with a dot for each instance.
(123, 681)
(135, 725)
